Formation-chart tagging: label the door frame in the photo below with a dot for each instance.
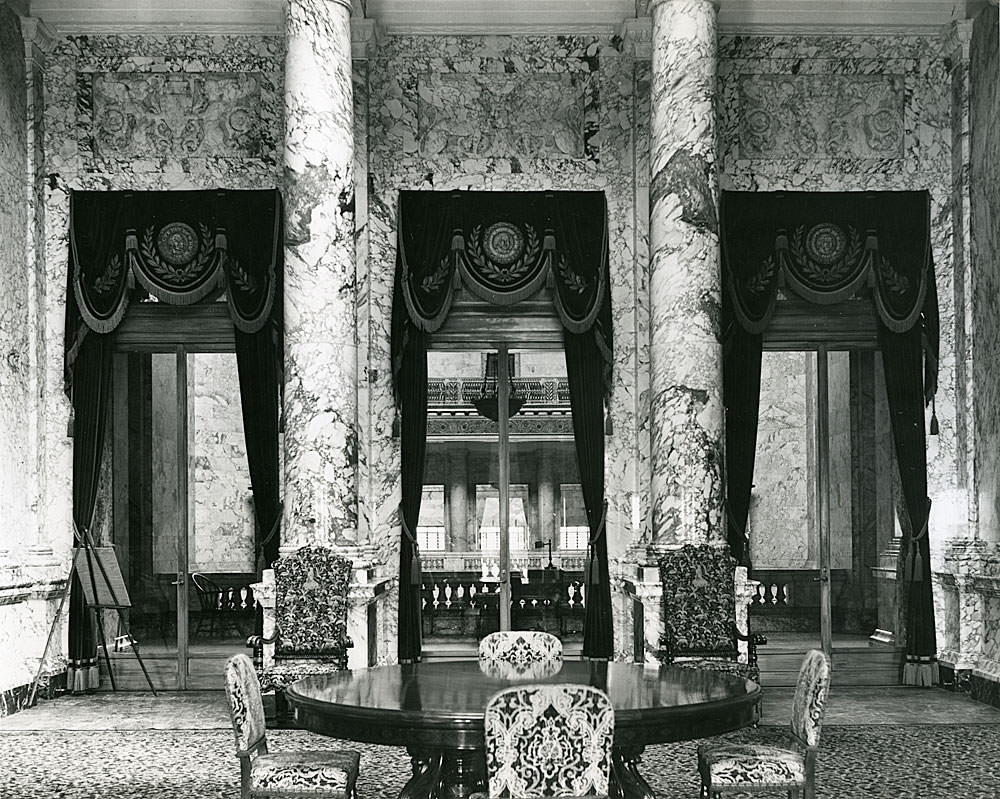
(157, 328)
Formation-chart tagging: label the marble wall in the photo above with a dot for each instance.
(17, 479)
(500, 113)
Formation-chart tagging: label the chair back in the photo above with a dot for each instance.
(521, 649)
(809, 701)
(548, 740)
(246, 708)
(310, 610)
(699, 602)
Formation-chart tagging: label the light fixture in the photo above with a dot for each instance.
(487, 404)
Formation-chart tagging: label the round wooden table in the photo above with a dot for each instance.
(436, 709)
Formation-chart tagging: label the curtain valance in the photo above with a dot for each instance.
(825, 247)
(178, 247)
(503, 247)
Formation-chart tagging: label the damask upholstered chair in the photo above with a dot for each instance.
(332, 774)
(310, 627)
(733, 767)
(699, 612)
(548, 740)
(520, 648)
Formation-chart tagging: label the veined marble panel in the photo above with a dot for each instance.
(200, 114)
(17, 475)
(984, 67)
(821, 116)
(496, 116)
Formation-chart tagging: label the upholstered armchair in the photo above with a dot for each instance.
(310, 629)
(699, 612)
(548, 740)
(331, 773)
(520, 654)
(736, 768)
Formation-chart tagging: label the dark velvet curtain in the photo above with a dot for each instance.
(451, 237)
(412, 390)
(741, 397)
(91, 397)
(581, 231)
(902, 361)
(584, 367)
(260, 381)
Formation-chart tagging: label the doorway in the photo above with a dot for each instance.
(183, 514)
(822, 524)
(502, 531)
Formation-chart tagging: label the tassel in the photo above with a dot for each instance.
(395, 426)
(908, 568)
(71, 422)
(918, 567)
(934, 420)
(415, 575)
(593, 571)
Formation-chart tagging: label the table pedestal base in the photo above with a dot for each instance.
(459, 773)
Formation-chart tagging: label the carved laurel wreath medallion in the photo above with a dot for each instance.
(503, 254)
(177, 254)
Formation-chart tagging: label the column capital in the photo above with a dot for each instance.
(652, 4)
(956, 36)
(365, 37)
(636, 36)
(38, 37)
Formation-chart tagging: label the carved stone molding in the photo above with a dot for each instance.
(821, 116)
(487, 116)
(637, 38)
(38, 37)
(193, 114)
(365, 36)
(955, 38)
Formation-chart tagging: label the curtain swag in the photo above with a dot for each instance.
(178, 247)
(503, 248)
(826, 247)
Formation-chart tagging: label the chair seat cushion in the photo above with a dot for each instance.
(750, 764)
(330, 773)
(281, 675)
(711, 664)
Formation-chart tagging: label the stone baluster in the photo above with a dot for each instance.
(321, 377)
(684, 283)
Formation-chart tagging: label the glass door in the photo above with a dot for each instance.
(184, 528)
(821, 517)
(502, 531)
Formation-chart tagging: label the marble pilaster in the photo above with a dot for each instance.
(684, 281)
(321, 376)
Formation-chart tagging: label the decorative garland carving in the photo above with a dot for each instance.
(573, 280)
(108, 280)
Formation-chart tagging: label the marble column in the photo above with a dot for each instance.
(321, 374)
(458, 501)
(686, 417)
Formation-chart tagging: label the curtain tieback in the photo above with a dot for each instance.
(415, 575)
(592, 569)
(913, 571)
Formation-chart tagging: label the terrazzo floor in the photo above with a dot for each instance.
(876, 742)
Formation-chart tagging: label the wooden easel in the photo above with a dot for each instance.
(109, 593)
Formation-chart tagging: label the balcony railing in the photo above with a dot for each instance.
(455, 392)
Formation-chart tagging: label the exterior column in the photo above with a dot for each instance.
(321, 377)
(686, 415)
(547, 530)
(458, 501)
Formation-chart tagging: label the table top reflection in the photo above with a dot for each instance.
(441, 703)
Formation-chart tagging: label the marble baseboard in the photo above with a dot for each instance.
(14, 699)
(984, 690)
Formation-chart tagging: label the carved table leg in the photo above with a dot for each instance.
(426, 765)
(463, 773)
(626, 781)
